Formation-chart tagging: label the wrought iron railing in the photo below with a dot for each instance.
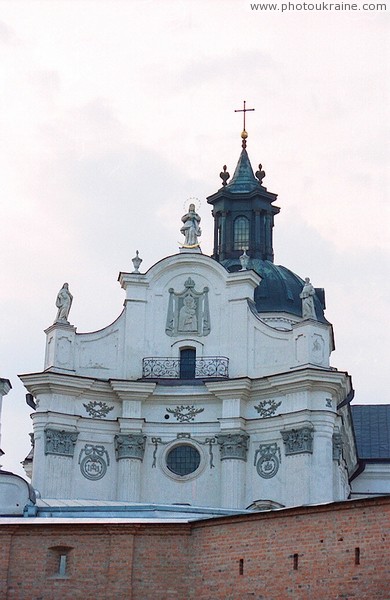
(176, 368)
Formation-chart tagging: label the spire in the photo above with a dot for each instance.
(243, 211)
(243, 179)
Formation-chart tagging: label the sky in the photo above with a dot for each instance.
(113, 113)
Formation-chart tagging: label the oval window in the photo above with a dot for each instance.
(183, 459)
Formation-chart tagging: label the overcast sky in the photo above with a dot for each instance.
(114, 113)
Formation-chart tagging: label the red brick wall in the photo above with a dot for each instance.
(161, 564)
(201, 561)
(324, 539)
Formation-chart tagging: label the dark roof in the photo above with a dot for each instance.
(243, 179)
(279, 288)
(372, 430)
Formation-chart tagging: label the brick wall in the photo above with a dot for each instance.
(317, 553)
(326, 552)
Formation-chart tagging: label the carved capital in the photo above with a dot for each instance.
(60, 442)
(233, 445)
(297, 441)
(131, 445)
(337, 443)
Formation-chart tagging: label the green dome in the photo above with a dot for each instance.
(279, 288)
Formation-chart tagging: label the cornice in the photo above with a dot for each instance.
(334, 382)
(229, 389)
(61, 383)
(132, 390)
(5, 386)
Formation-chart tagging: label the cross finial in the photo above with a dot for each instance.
(244, 134)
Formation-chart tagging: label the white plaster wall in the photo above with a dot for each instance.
(374, 480)
(254, 347)
(268, 361)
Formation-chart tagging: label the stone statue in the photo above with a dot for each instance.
(63, 303)
(187, 315)
(307, 295)
(190, 228)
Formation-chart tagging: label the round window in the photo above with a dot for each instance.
(183, 459)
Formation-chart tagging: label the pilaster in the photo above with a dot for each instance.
(129, 451)
(59, 451)
(234, 449)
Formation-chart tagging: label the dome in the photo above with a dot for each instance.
(279, 289)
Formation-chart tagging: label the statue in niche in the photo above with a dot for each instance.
(187, 315)
(188, 311)
(63, 303)
(190, 228)
(307, 296)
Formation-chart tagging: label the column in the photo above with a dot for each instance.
(59, 451)
(257, 235)
(298, 465)
(222, 255)
(129, 451)
(234, 448)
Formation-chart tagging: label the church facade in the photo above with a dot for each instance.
(213, 387)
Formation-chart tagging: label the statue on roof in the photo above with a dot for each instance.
(190, 228)
(307, 295)
(63, 303)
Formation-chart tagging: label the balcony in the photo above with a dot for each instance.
(185, 367)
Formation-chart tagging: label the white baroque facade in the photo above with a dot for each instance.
(200, 392)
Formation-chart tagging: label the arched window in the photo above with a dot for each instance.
(241, 233)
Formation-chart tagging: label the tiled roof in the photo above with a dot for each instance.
(372, 430)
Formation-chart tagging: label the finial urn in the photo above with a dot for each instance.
(136, 262)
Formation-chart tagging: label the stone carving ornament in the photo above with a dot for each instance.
(298, 441)
(244, 260)
(60, 442)
(137, 260)
(188, 311)
(131, 445)
(267, 460)
(233, 445)
(337, 443)
(185, 414)
(267, 408)
(98, 410)
(93, 461)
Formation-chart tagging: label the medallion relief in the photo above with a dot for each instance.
(93, 461)
(267, 460)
